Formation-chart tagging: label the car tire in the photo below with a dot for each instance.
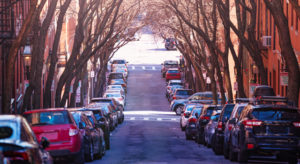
(232, 154)
(198, 141)
(90, 153)
(107, 144)
(188, 137)
(215, 146)
(179, 109)
(293, 159)
(225, 149)
(242, 156)
(79, 158)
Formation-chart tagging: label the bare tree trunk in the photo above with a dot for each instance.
(73, 95)
(287, 50)
(26, 26)
(54, 57)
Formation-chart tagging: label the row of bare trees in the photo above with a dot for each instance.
(206, 32)
(102, 27)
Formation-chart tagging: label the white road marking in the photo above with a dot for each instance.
(153, 68)
(173, 119)
(143, 67)
(146, 118)
(132, 118)
(133, 67)
(159, 119)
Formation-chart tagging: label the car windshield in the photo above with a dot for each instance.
(281, 114)
(119, 62)
(172, 71)
(115, 86)
(184, 92)
(48, 118)
(171, 63)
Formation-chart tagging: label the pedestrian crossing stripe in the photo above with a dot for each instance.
(151, 119)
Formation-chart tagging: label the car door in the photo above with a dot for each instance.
(93, 132)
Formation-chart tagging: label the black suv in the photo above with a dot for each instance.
(266, 128)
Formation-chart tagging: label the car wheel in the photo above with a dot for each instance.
(179, 109)
(187, 136)
(225, 150)
(293, 159)
(79, 159)
(107, 143)
(90, 153)
(215, 146)
(232, 154)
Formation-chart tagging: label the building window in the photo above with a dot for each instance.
(266, 21)
(274, 36)
(258, 21)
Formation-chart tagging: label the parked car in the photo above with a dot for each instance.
(209, 129)
(267, 129)
(118, 82)
(172, 90)
(170, 44)
(219, 131)
(93, 137)
(116, 91)
(115, 87)
(173, 74)
(102, 121)
(203, 120)
(168, 64)
(117, 96)
(173, 83)
(117, 76)
(180, 94)
(109, 113)
(185, 115)
(18, 143)
(199, 97)
(190, 130)
(238, 108)
(118, 62)
(58, 125)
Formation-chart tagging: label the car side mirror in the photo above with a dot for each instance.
(45, 143)
(196, 114)
(81, 125)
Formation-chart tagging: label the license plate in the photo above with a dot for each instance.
(50, 136)
(192, 126)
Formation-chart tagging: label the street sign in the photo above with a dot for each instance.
(92, 73)
(284, 78)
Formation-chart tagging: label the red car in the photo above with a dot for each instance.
(173, 74)
(59, 127)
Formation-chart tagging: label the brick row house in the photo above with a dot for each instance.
(12, 15)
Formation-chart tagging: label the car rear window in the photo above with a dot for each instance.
(196, 110)
(227, 111)
(266, 114)
(5, 132)
(184, 92)
(118, 62)
(48, 118)
(173, 71)
(171, 84)
(210, 111)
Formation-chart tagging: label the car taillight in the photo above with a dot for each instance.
(230, 126)
(174, 97)
(204, 118)
(220, 125)
(251, 123)
(184, 114)
(16, 155)
(192, 120)
(73, 131)
(296, 124)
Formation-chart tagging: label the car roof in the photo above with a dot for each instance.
(173, 69)
(175, 81)
(45, 110)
